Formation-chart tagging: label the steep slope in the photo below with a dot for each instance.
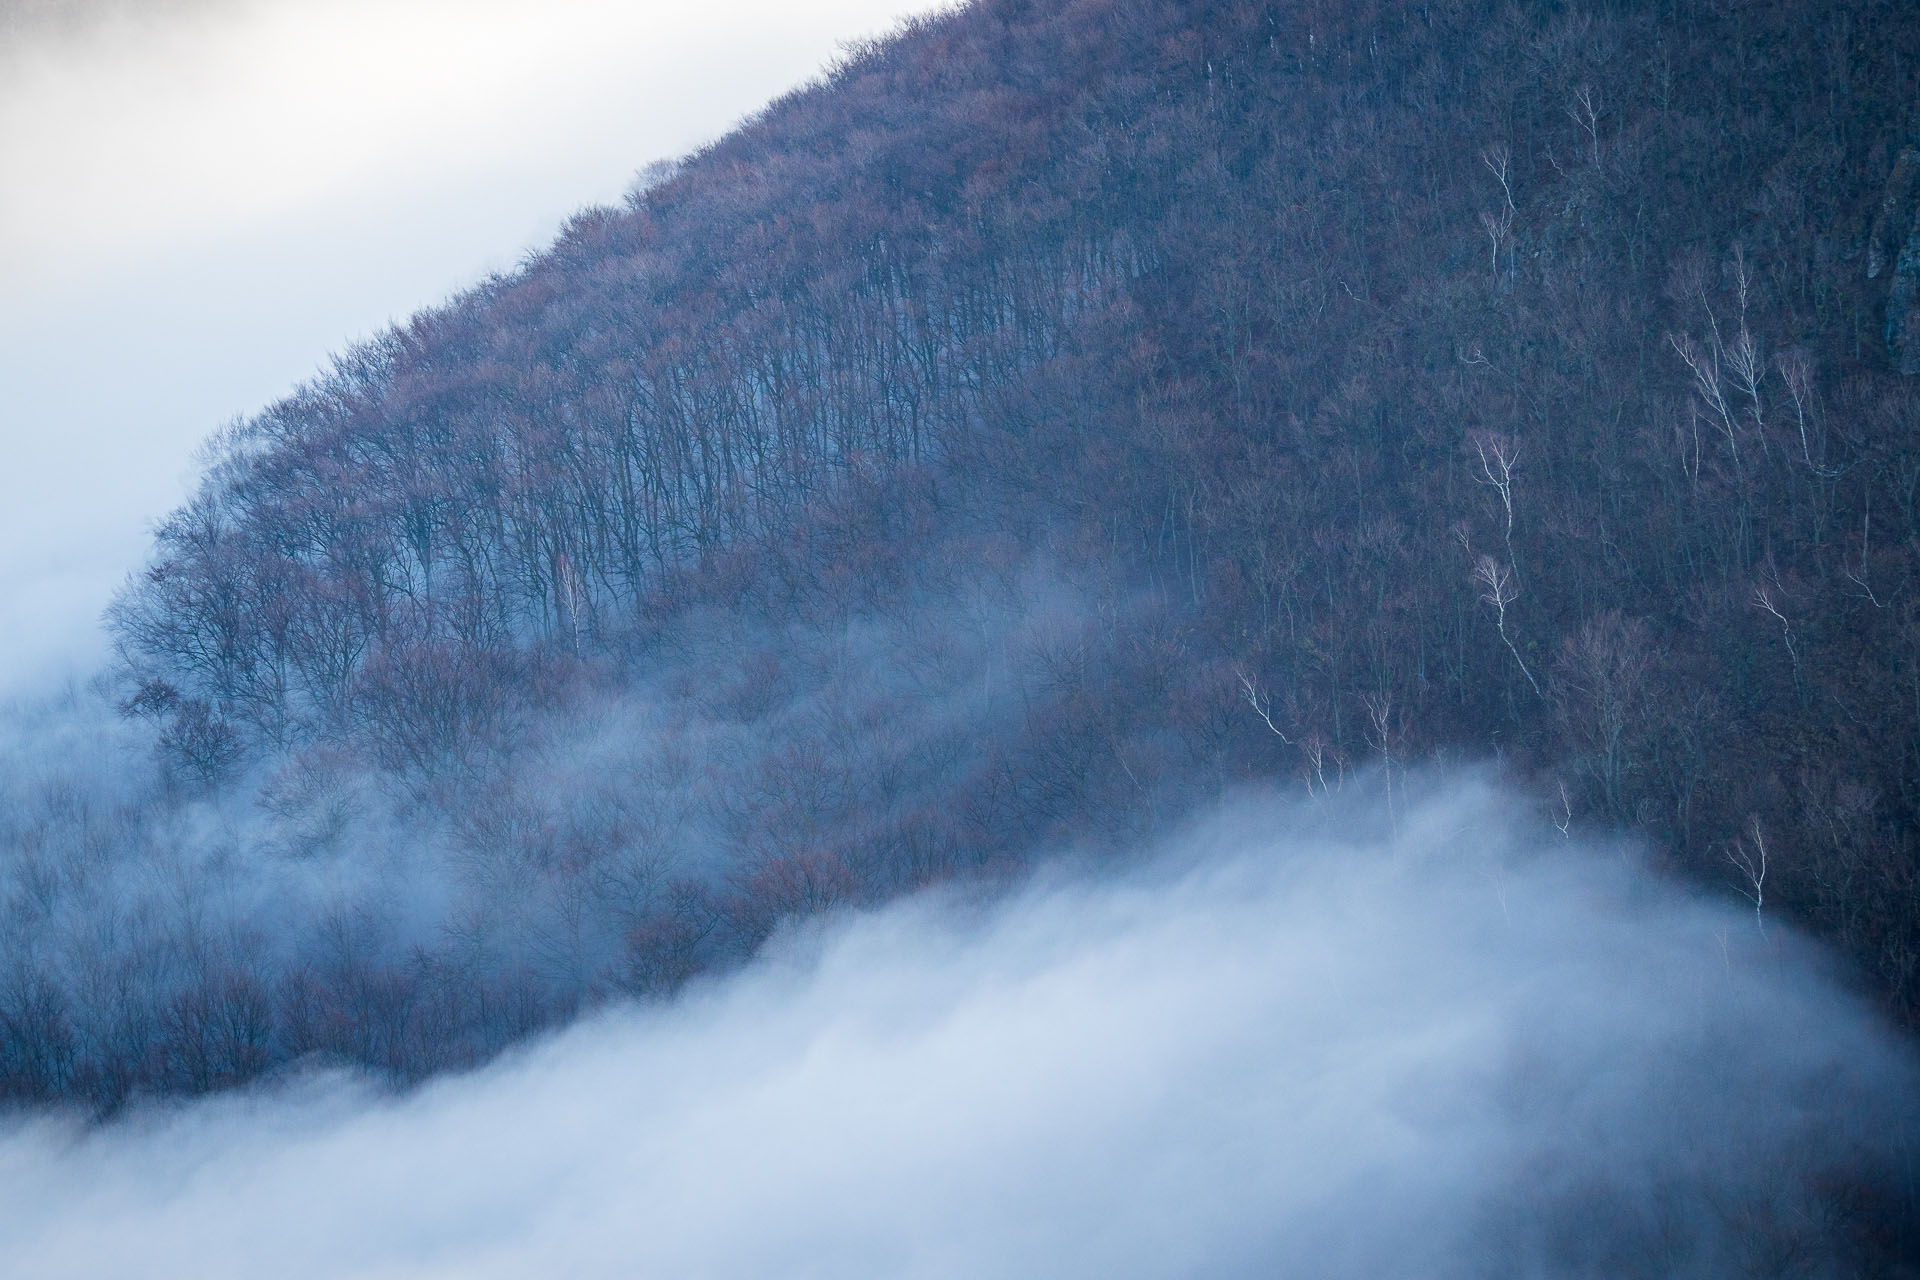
(1307, 385)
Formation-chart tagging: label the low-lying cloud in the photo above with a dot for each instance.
(1291, 1041)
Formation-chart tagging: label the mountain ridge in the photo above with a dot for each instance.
(1193, 393)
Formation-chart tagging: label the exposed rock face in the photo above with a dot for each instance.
(1896, 237)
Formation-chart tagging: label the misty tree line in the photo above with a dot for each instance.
(525, 466)
(1394, 381)
(158, 938)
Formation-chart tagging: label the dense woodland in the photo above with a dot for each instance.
(1062, 410)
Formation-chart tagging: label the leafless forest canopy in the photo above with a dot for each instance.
(1062, 411)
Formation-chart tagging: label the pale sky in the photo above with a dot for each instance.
(199, 202)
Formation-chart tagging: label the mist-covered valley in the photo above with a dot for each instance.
(163, 936)
(1120, 637)
(1292, 1036)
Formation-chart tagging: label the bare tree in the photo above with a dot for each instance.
(1763, 599)
(1498, 224)
(1751, 862)
(1705, 363)
(1262, 705)
(1380, 735)
(1796, 371)
(1499, 455)
(1498, 591)
(1585, 112)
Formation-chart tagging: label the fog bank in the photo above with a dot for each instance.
(1293, 1040)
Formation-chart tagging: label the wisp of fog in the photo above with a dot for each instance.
(1301, 1038)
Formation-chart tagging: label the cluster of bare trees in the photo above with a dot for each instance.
(1460, 377)
(646, 829)
(1554, 430)
(524, 467)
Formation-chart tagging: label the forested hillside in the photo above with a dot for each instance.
(1060, 411)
